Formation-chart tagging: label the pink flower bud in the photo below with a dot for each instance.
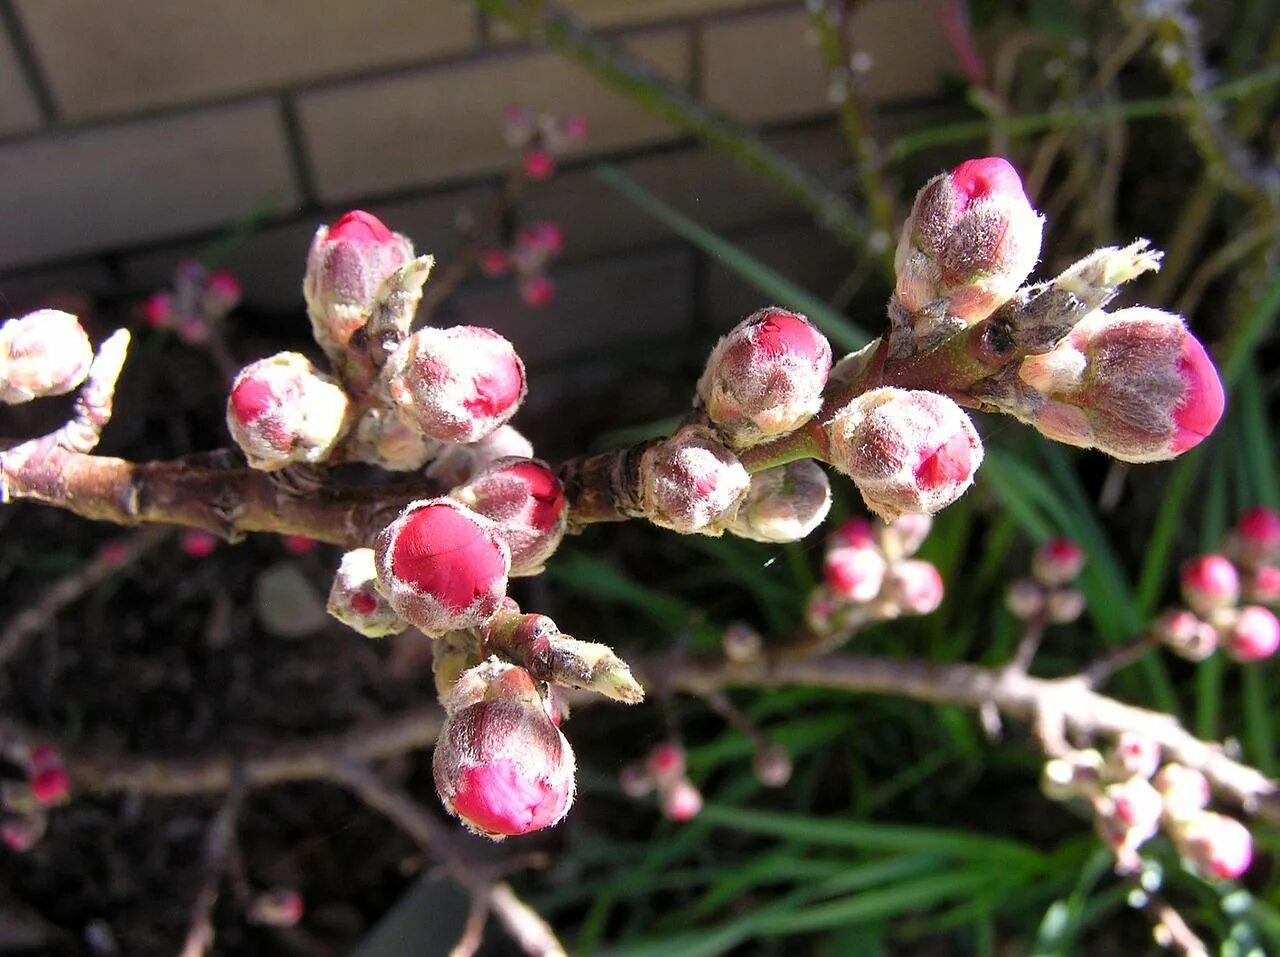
(456, 385)
(666, 761)
(494, 262)
(545, 238)
(856, 533)
(197, 544)
(1186, 635)
(971, 239)
(539, 164)
(574, 126)
(384, 439)
(298, 544)
(680, 800)
(784, 504)
(43, 353)
(1057, 562)
(1254, 634)
(279, 907)
(1257, 537)
(501, 765)
(765, 378)
(281, 410)
(902, 537)
(115, 553)
(455, 464)
(1209, 582)
(526, 503)
(692, 484)
(222, 292)
(1185, 790)
(1263, 585)
(537, 291)
(1135, 755)
(1129, 813)
(635, 781)
(1218, 846)
(355, 601)
(1064, 605)
(1134, 384)
(347, 263)
(742, 643)
(772, 766)
(913, 587)
(1025, 599)
(854, 574)
(906, 451)
(442, 566)
(157, 310)
(21, 834)
(50, 785)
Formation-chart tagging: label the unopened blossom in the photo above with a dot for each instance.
(1252, 634)
(692, 484)
(1185, 790)
(1209, 582)
(785, 503)
(1134, 754)
(46, 352)
(902, 536)
(454, 464)
(1257, 536)
(281, 410)
(354, 598)
(680, 800)
(381, 437)
(1218, 846)
(1057, 562)
(526, 502)
(1186, 635)
(854, 574)
(912, 587)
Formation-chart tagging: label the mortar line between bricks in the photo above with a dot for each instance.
(29, 63)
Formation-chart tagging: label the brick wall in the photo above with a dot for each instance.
(133, 132)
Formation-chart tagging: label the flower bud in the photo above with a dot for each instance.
(1218, 846)
(1186, 635)
(494, 261)
(1263, 585)
(347, 264)
(525, 500)
(1209, 582)
(1134, 755)
(635, 781)
(355, 600)
(1057, 562)
(1129, 814)
(854, 574)
(536, 291)
(1064, 605)
(666, 761)
(785, 503)
(971, 239)
(1075, 774)
(906, 451)
(856, 533)
(742, 644)
(1135, 384)
(455, 464)
(772, 766)
(692, 484)
(1025, 599)
(902, 537)
(500, 763)
(442, 566)
(1257, 537)
(456, 385)
(278, 907)
(384, 439)
(43, 353)
(680, 800)
(21, 834)
(197, 544)
(765, 378)
(1185, 790)
(50, 785)
(281, 410)
(1253, 634)
(913, 587)
(539, 164)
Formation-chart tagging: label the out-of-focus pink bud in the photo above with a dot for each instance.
(157, 310)
(1064, 605)
(1134, 755)
(1253, 634)
(902, 537)
(347, 263)
(442, 566)
(1263, 585)
(856, 533)
(278, 907)
(500, 763)
(525, 500)
(1075, 774)
(765, 378)
(455, 464)
(281, 410)
(537, 291)
(635, 781)
(546, 238)
(1135, 384)
(355, 601)
(692, 484)
(742, 643)
(785, 503)
(666, 761)
(854, 574)
(539, 164)
(1025, 599)
(1256, 539)
(680, 800)
(494, 262)
(1218, 846)
(574, 126)
(907, 451)
(772, 766)
(456, 385)
(1209, 582)
(971, 239)
(913, 587)
(1186, 635)
(820, 610)
(222, 292)
(1185, 790)
(21, 834)
(384, 439)
(519, 123)
(298, 544)
(50, 785)
(197, 544)
(115, 553)
(1057, 561)
(45, 352)
(1129, 814)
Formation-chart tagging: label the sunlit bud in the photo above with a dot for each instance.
(680, 800)
(197, 544)
(1057, 562)
(765, 378)
(281, 410)
(442, 566)
(635, 781)
(21, 834)
(1025, 599)
(347, 264)
(1253, 634)
(854, 574)
(1218, 846)
(355, 601)
(856, 532)
(455, 464)
(494, 262)
(456, 385)
(692, 484)
(666, 761)
(971, 239)
(384, 439)
(43, 353)
(1185, 790)
(1186, 635)
(279, 907)
(1263, 585)
(1129, 813)
(500, 763)
(772, 766)
(1076, 774)
(902, 537)
(1135, 384)
(1209, 582)
(50, 785)
(785, 503)
(1257, 537)
(539, 164)
(537, 291)
(526, 502)
(742, 644)
(907, 451)
(914, 587)
(1134, 755)
(1064, 605)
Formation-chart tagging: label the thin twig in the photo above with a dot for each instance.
(218, 844)
(1028, 643)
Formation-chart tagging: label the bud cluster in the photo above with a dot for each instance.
(542, 137)
(1047, 595)
(26, 804)
(1133, 796)
(200, 298)
(529, 256)
(663, 771)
